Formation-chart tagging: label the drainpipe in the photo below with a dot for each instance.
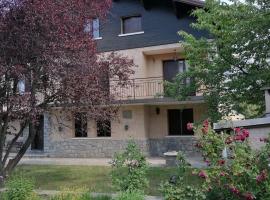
(267, 101)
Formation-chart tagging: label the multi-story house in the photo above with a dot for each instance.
(146, 31)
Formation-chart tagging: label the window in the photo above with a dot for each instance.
(103, 128)
(172, 67)
(23, 86)
(177, 121)
(93, 28)
(132, 24)
(80, 125)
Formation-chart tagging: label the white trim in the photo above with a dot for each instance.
(90, 138)
(128, 34)
(98, 38)
(180, 136)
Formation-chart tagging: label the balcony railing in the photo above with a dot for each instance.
(138, 88)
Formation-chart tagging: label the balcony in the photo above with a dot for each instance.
(138, 88)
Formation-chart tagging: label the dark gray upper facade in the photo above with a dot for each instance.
(160, 24)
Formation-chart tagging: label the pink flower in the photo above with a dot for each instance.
(221, 162)
(190, 126)
(237, 130)
(240, 137)
(245, 132)
(249, 196)
(206, 123)
(261, 177)
(202, 174)
(234, 190)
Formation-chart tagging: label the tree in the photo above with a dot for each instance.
(45, 50)
(232, 65)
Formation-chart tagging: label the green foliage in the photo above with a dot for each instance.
(19, 188)
(73, 194)
(129, 169)
(237, 171)
(177, 189)
(130, 195)
(233, 66)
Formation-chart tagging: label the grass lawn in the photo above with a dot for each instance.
(95, 178)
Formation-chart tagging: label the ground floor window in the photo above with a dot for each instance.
(103, 128)
(80, 125)
(177, 121)
(38, 142)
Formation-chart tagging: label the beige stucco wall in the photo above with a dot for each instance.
(145, 123)
(158, 127)
(149, 63)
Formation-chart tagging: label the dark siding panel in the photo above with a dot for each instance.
(159, 24)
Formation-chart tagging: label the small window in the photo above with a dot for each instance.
(93, 28)
(127, 114)
(103, 128)
(96, 28)
(23, 86)
(81, 125)
(131, 24)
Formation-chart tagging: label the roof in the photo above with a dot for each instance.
(191, 2)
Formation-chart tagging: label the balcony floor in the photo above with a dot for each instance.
(162, 100)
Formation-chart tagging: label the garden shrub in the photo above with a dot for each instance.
(176, 188)
(236, 170)
(19, 188)
(130, 195)
(129, 169)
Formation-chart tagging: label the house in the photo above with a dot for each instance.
(145, 31)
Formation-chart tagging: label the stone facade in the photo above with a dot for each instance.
(106, 148)
(146, 128)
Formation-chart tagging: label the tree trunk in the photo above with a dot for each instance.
(12, 163)
(2, 175)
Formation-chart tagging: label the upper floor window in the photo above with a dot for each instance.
(23, 86)
(172, 67)
(131, 24)
(93, 28)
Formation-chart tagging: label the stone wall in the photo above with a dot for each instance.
(106, 148)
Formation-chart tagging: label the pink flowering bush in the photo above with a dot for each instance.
(235, 171)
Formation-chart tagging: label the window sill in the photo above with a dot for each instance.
(129, 34)
(98, 38)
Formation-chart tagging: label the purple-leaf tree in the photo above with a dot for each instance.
(47, 59)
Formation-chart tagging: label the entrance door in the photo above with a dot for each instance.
(174, 121)
(38, 142)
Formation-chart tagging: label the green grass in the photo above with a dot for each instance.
(95, 178)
